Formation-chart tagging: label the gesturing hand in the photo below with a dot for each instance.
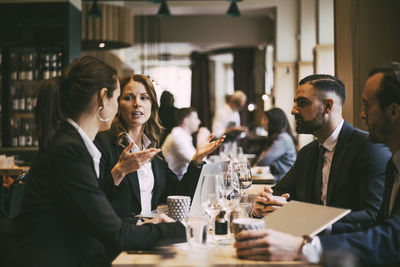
(206, 148)
(131, 161)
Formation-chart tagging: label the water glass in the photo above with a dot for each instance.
(196, 231)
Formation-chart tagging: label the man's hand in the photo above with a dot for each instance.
(266, 203)
(267, 244)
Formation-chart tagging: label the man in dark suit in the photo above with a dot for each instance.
(342, 168)
(378, 244)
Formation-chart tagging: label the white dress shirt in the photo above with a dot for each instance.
(178, 150)
(145, 176)
(329, 145)
(396, 184)
(93, 151)
(225, 118)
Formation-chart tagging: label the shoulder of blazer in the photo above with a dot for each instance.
(67, 141)
(351, 133)
(307, 148)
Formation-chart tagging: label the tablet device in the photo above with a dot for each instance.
(300, 218)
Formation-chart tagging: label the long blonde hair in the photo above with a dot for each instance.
(152, 128)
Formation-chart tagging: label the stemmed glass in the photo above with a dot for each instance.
(210, 197)
(243, 171)
(230, 190)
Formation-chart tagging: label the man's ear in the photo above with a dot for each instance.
(328, 105)
(393, 111)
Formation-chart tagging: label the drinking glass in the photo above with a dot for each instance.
(230, 190)
(211, 197)
(243, 171)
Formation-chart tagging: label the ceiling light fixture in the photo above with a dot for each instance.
(233, 10)
(164, 10)
(95, 10)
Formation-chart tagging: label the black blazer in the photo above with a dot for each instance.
(374, 245)
(65, 218)
(356, 179)
(125, 198)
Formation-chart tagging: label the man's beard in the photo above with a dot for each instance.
(310, 126)
(378, 131)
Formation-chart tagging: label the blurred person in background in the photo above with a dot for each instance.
(227, 119)
(280, 153)
(178, 148)
(167, 113)
(133, 173)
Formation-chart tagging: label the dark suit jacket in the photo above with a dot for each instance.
(356, 179)
(375, 245)
(65, 218)
(125, 198)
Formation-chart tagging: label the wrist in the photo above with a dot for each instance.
(117, 175)
(310, 249)
(197, 160)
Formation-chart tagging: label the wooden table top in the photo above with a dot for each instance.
(181, 255)
(18, 170)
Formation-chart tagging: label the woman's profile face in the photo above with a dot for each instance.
(265, 122)
(135, 105)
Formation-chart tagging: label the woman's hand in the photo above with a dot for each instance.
(206, 148)
(131, 161)
(162, 218)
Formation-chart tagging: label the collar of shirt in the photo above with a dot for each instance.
(331, 141)
(145, 143)
(93, 151)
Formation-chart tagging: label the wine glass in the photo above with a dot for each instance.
(230, 190)
(210, 197)
(243, 171)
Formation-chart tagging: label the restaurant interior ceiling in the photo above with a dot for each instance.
(191, 13)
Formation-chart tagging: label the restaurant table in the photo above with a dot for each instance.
(182, 255)
(262, 175)
(15, 171)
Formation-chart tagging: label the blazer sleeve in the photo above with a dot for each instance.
(76, 189)
(109, 158)
(375, 245)
(186, 186)
(373, 161)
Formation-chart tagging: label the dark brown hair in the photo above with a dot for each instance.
(389, 87)
(152, 128)
(69, 96)
(182, 113)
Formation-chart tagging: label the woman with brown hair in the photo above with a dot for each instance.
(65, 219)
(133, 172)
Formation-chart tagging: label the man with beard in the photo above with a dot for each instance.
(341, 168)
(378, 244)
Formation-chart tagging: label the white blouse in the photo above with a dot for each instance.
(145, 176)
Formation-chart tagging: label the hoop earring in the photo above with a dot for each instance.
(99, 114)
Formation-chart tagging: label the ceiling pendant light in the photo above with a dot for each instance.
(164, 10)
(233, 10)
(95, 10)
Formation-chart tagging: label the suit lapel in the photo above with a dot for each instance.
(156, 166)
(132, 178)
(338, 157)
(310, 176)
